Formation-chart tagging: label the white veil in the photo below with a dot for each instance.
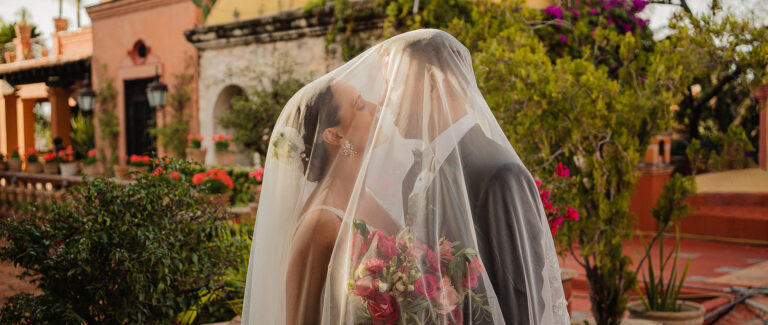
(392, 196)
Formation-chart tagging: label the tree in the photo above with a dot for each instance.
(731, 57)
(593, 106)
(253, 115)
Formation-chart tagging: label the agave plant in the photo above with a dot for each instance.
(661, 295)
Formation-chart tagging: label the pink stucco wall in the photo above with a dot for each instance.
(160, 24)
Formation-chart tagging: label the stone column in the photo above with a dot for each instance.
(60, 125)
(25, 117)
(8, 130)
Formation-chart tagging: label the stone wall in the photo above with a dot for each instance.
(237, 56)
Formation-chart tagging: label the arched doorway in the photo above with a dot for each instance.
(222, 106)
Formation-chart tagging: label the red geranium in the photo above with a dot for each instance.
(139, 161)
(213, 181)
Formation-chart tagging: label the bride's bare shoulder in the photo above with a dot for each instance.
(321, 224)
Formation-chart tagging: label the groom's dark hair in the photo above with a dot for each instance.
(320, 112)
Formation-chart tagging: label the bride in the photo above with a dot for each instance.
(391, 196)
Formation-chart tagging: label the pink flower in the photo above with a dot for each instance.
(561, 170)
(555, 224)
(427, 286)
(433, 260)
(571, 213)
(548, 206)
(374, 265)
(538, 184)
(362, 245)
(364, 287)
(474, 269)
(446, 249)
(544, 195)
(448, 297)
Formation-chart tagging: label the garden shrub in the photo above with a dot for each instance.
(139, 253)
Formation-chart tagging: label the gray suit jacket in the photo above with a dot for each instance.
(506, 225)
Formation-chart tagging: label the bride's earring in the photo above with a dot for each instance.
(347, 149)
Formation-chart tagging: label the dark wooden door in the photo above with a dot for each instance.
(139, 118)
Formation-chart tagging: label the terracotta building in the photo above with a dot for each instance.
(133, 40)
(34, 75)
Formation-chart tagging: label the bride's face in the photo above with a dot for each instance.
(356, 113)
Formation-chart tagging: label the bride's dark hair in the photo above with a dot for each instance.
(320, 112)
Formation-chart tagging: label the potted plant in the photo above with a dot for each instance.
(51, 165)
(91, 165)
(224, 157)
(15, 162)
(33, 162)
(195, 151)
(137, 164)
(216, 184)
(557, 214)
(68, 165)
(255, 179)
(660, 300)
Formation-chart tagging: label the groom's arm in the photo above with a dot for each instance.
(508, 227)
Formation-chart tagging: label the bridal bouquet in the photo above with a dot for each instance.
(398, 280)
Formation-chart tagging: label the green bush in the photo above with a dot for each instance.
(141, 253)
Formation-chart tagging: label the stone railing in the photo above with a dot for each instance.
(17, 188)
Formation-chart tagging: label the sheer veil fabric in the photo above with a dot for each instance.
(392, 196)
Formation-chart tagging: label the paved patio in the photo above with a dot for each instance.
(716, 267)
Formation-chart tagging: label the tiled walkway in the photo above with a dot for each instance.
(715, 266)
(9, 284)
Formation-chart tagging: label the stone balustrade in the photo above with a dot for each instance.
(19, 188)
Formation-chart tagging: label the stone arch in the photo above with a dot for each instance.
(223, 104)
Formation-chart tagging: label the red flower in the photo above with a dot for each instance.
(561, 170)
(374, 265)
(364, 287)
(571, 213)
(190, 137)
(175, 175)
(386, 245)
(362, 245)
(229, 137)
(158, 171)
(92, 153)
(220, 137)
(198, 178)
(427, 286)
(383, 308)
(544, 194)
(213, 138)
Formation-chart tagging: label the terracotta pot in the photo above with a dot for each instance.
(127, 172)
(34, 167)
(591, 321)
(690, 313)
(92, 170)
(219, 199)
(225, 158)
(196, 155)
(60, 23)
(68, 168)
(51, 168)
(14, 164)
(567, 276)
(121, 171)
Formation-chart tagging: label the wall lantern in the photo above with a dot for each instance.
(86, 96)
(157, 92)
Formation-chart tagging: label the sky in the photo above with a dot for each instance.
(43, 12)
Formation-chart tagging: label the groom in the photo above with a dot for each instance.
(501, 194)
